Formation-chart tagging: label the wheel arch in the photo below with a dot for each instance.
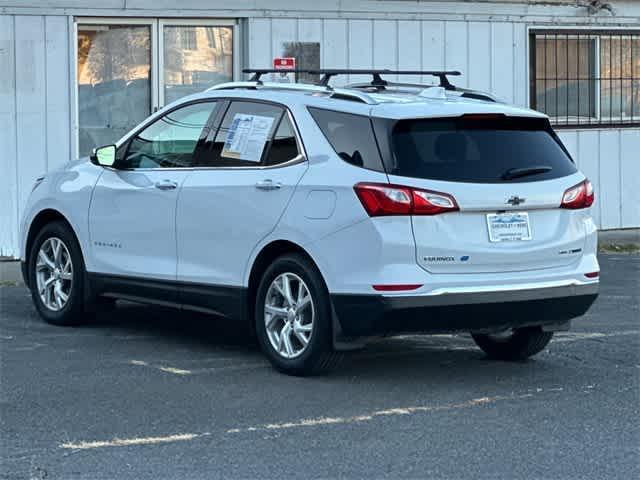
(265, 257)
(41, 219)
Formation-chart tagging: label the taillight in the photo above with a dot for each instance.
(379, 199)
(382, 199)
(578, 196)
(432, 203)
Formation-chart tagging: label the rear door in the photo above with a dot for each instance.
(237, 193)
(508, 176)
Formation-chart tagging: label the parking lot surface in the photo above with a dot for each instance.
(150, 393)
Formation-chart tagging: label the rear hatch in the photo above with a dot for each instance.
(507, 176)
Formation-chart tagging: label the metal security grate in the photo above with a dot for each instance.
(583, 78)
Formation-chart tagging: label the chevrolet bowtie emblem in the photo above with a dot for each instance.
(515, 200)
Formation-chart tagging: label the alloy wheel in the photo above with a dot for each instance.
(288, 315)
(54, 274)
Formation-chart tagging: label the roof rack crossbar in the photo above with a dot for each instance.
(377, 80)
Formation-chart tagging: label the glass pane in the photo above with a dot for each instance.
(478, 151)
(114, 88)
(351, 136)
(565, 77)
(196, 58)
(239, 112)
(170, 141)
(284, 146)
(619, 96)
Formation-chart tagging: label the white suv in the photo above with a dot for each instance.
(323, 216)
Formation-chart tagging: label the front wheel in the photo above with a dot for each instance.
(293, 317)
(56, 275)
(518, 344)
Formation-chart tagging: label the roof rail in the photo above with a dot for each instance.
(464, 92)
(329, 91)
(376, 81)
(479, 95)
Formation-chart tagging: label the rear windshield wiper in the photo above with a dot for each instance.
(525, 172)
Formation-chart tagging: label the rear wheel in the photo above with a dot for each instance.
(518, 344)
(293, 317)
(56, 275)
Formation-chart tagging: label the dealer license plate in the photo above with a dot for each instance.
(508, 226)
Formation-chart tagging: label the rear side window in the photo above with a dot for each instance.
(351, 136)
(244, 135)
(284, 147)
(478, 149)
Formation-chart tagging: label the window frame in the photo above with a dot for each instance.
(596, 122)
(225, 103)
(122, 149)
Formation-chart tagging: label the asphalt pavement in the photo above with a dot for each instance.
(152, 393)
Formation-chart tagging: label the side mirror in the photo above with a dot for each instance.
(104, 156)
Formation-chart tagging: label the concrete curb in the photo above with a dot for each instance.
(629, 236)
(610, 241)
(10, 273)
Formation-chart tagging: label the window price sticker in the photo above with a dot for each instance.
(247, 137)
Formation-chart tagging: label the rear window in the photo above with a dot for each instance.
(351, 136)
(478, 149)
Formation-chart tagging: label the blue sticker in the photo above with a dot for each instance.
(464, 258)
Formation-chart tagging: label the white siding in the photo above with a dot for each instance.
(334, 51)
(8, 178)
(630, 175)
(609, 159)
(34, 111)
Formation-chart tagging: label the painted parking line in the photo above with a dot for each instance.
(575, 336)
(407, 411)
(196, 371)
(126, 442)
(162, 368)
(367, 417)
(312, 422)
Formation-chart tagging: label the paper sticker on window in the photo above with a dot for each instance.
(247, 137)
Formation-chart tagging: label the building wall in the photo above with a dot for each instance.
(486, 41)
(34, 111)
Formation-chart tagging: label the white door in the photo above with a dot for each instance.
(224, 212)
(132, 213)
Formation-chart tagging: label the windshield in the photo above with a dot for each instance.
(478, 148)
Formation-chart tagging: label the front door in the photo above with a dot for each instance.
(133, 210)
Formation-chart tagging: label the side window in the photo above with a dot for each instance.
(283, 146)
(244, 135)
(351, 136)
(170, 141)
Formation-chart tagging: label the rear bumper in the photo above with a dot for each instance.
(475, 311)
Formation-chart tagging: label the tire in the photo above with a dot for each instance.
(53, 308)
(521, 344)
(312, 320)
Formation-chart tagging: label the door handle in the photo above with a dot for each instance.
(166, 185)
(268, 185)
